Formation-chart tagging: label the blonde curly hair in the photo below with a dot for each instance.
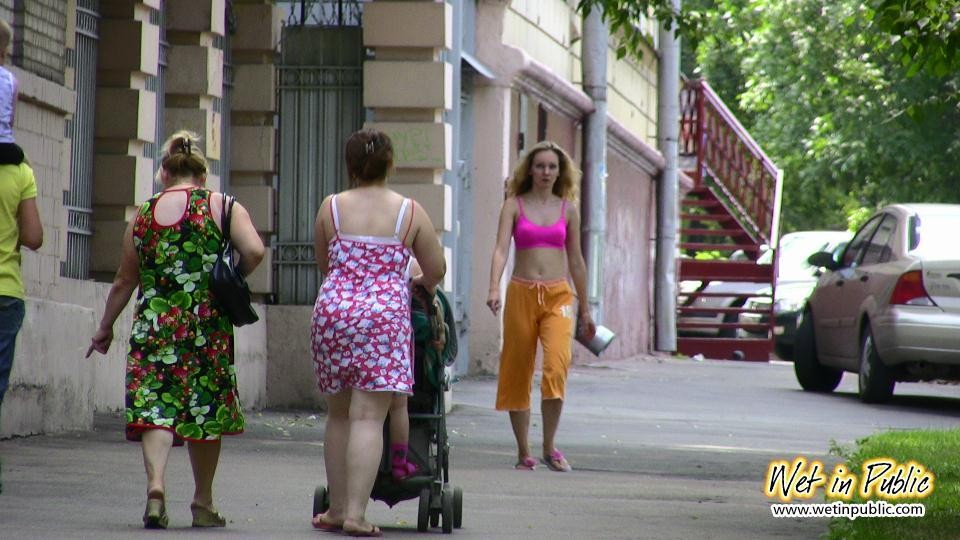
(567, 185)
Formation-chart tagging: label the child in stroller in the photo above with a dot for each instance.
(427, 455)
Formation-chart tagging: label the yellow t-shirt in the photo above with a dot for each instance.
(16, 184)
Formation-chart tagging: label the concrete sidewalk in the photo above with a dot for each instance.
(631, 479)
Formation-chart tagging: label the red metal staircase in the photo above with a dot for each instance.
(733, 208)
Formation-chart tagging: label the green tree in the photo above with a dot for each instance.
(857, 100)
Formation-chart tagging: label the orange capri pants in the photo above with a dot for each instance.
(535, 310)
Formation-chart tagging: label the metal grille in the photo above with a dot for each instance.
(151, 150)
(40, 36)
(226, 141)
(78, 200)
(320, 106)
(321, 12)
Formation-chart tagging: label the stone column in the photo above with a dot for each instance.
(408, 87)
(253, 137)
(194, 75)
(125, 123)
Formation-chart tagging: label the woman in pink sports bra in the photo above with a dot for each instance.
(541, 217)
(361, 334)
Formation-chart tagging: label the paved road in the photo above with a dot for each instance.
(662, 448)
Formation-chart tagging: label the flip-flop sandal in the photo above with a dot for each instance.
(155, 515)
(373, 531)
(556, 462)
(205, 517)
(326, 526)
(526, 464)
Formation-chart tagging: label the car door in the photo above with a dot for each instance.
(830, 316)
(870, 282)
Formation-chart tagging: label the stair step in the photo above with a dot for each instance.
(696, 309)
(712, 232)
(700, 202)
(706, 246)
(691, 269)
(755, 350)
(707, 217)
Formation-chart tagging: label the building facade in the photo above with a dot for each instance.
(463, 87)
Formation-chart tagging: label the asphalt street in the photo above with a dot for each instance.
(661, 447)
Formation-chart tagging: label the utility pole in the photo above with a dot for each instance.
(596, 35)
(668, 129)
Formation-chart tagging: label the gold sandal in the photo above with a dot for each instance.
(205, 517)
(155, 515)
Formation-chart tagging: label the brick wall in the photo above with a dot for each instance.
(40, 28)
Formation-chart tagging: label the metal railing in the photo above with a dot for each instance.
(726, 152)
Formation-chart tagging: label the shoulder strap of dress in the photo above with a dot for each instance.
(563, 209)
(403, 209)
(334, 214)
(520, 205)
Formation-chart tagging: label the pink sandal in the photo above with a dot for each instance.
(556, 462)
(526, 464)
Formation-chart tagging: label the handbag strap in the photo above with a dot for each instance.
(225, 215)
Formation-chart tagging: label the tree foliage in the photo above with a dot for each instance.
(857, 100)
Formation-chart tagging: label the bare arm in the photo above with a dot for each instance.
(31, 230)
(508, 215)
(578, 271)
(124, 283)
(427, 249)
(321, 241)
(245, 239)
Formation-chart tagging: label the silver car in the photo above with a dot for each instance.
(889, 308)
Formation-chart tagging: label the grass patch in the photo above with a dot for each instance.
(939, 452)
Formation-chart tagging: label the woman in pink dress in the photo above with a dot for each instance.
(361, 334)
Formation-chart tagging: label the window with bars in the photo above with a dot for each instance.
(78, 200)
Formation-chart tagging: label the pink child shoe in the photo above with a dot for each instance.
(403, 471)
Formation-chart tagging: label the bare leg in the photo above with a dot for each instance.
(204, 457)
(399, 420)
(550, 409)
(520, 420)
(156, 450)
(335, 439)
(368, 410)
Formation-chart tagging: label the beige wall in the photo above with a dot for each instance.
(533, 49)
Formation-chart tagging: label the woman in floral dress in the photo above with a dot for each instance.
(181, 384)
(361, 330)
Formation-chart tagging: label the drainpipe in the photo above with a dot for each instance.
(668, 128)
(594, 68)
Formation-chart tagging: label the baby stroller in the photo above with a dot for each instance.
(435, 347)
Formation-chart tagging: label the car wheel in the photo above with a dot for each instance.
(812, 376)
(875, 379)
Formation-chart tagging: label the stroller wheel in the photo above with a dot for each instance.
(457, 507)
(446, 503)
(423, 513)
(321, 500)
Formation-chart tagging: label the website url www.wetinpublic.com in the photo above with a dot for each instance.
(869, 509)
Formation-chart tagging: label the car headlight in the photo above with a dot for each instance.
(757, 302)
(787, 305)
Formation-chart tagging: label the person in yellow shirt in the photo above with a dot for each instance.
(19, 226)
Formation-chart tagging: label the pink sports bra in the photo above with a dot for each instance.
(529, 235)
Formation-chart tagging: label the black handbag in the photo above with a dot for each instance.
(226, 282)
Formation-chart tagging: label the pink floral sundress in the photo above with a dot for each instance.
(360, 331)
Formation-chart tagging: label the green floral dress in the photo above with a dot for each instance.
(180, 373)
